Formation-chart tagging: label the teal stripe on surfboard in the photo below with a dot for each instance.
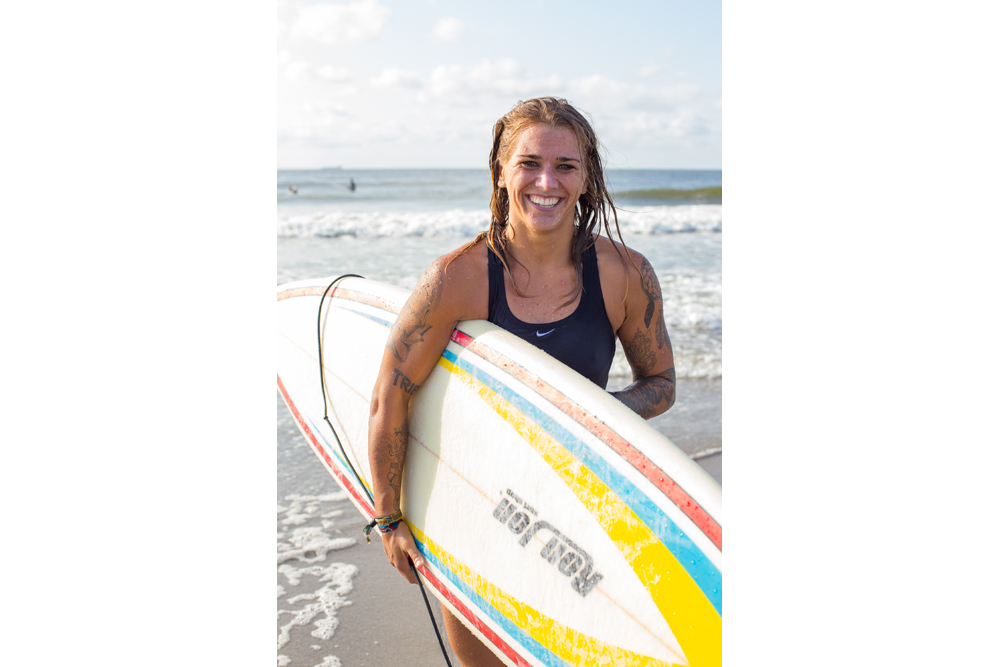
(546, 656)
(704, 573)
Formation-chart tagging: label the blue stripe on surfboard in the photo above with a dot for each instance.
(374, 318)
(545, 655)
(702, 570)
(704, 573)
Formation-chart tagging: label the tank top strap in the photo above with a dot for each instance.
(498, 296)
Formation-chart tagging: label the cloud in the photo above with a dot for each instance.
(396, 78)
(449, 29)
(648, 71)
(489, 79)
(340, 24)
(633, 96)
(333, 73)
(297, 71)
(660, 127)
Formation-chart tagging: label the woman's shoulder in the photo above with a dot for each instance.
(460, 277)
(617, 260)
(621, 270)
(466, 261)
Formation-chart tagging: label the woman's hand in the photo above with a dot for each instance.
(400, 549)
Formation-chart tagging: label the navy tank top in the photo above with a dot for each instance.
(584, 340)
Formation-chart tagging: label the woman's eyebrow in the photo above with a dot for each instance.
(532, 156)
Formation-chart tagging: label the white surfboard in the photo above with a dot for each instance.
(554, 522)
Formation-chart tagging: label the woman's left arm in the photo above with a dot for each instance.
(647, 346)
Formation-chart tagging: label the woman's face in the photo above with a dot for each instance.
(544, 176)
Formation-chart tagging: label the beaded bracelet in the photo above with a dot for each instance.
(385, 524)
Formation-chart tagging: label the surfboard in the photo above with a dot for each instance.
(554, 522)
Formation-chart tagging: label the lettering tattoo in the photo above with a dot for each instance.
(646, 395)
(405, 383)
(413, 325)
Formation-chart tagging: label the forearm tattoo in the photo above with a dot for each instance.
(390, 455)
(647, 395)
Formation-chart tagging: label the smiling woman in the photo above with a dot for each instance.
(541, 272)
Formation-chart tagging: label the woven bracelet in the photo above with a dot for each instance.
(391, 527)
(384, 523)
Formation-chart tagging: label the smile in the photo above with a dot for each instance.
(544, 202)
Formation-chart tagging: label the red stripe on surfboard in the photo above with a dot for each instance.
(342, 293)
(344, 482)
(482, 627)
(702, 519)
(647, 468)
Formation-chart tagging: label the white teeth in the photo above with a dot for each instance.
(544, 201)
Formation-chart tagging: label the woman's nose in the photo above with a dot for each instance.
(546, 178)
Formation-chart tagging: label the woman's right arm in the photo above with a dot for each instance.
(415, 344)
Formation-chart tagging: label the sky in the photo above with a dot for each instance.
(420, 83)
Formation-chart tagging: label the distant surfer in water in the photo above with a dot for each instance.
(544, 272)
(292, 190)
(350, 186)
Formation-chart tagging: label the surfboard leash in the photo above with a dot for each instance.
(343, 451)
(430, 613)
(322, 375)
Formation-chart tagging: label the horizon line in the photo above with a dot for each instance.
(481, 168)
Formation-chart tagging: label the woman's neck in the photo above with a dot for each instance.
(548, 251)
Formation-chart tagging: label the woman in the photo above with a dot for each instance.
(539, 272)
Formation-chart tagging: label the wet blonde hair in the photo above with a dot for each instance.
(594, 209)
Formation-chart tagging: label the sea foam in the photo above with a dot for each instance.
(304, 541)
(469, 222)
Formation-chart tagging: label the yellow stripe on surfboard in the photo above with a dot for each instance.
(690, 615)
(574, 647)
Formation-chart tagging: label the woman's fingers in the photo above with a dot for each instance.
(401, 549)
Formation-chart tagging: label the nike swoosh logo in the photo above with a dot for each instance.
(544, 334)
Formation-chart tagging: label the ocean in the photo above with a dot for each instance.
(389, 227)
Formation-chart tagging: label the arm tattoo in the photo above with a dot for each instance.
(419, 307)
(408, 337)
(404, 382)
(391, 455)
(651, 286)
(639, 352)
(645, 396)
(654, 296)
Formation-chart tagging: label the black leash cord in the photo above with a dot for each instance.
(322, 382)
(430, 613)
